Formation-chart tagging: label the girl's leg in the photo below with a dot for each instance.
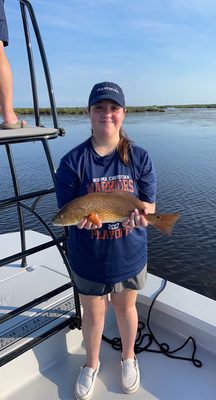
(124, 305)
(94, 311)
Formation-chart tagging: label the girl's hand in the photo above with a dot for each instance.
(136, 220)
(86, 224)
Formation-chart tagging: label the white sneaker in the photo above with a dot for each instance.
(85, 383)
(130, 375)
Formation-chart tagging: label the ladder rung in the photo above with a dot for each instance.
(29, 133)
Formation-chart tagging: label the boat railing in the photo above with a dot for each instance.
(27, 9)
(9, 138)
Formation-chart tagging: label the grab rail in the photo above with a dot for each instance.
(26, 5)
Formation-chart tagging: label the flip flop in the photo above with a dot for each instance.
(17, 125)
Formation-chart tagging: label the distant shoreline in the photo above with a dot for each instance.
(130, 109)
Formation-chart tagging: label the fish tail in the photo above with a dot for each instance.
(166, 222)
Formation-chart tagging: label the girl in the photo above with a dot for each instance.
(111, 258)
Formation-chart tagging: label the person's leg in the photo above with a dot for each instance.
(124, 305)
(6, 88)
(94, 310)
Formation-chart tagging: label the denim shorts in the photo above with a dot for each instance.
(3, 25)
(90, 288)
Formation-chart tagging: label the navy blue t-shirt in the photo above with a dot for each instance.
(112, 253)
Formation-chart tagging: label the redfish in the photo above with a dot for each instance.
(110, 207)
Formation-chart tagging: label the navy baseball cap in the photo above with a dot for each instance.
(106, 91)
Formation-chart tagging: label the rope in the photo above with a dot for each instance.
(163, 348)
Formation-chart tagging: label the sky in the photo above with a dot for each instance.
(161, 52)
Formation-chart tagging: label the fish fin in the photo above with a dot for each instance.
(94, 218)
(166, 222)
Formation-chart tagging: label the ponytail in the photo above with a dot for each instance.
(124, 146)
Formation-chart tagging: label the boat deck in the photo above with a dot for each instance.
(161, 377)
(49, 370)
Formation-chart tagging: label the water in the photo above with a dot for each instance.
(182, 145)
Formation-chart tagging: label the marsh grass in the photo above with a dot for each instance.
(130, 109)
